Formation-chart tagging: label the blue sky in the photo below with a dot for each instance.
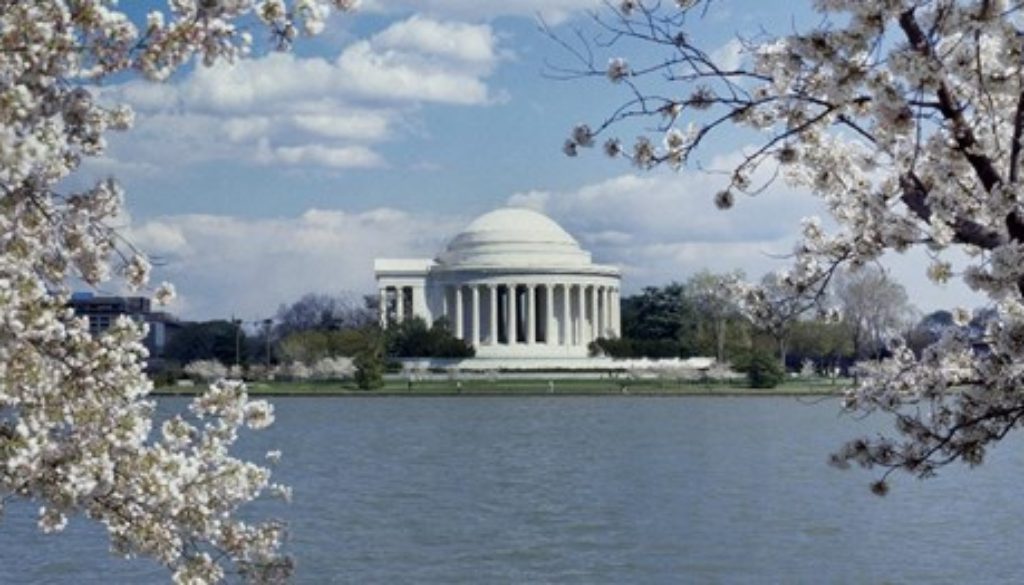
(288, 173)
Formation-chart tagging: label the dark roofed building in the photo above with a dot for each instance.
(102, 311)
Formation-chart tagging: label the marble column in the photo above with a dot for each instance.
(599, 306)
(581, 306)
(531, 314)
(420, 308)
(588, 323)
(383, 308)
(550, 333)
(566, 316)
(399, 303)
(492, 292)
(617, 312)
(609, 331)
(444, 307)
(512, 316)
(475, 299)
(459, 313)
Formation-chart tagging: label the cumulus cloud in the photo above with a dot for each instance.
(223, 265)
(311, 111)
(396, 75)
(729, 56)
(339, 158)
(662, 207)
(553, 11)
(660, 227)
(454, 41)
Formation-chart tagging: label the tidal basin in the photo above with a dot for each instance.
(588, 490)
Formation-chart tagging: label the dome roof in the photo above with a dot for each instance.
(513, 237)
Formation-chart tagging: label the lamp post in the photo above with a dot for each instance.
(267, 324)
(238, 340)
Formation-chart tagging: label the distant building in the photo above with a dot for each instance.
(102, 311)
(513, 284)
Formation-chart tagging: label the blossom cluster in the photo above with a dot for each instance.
(75, 430)
(906, 118)
(206, 370)
(326, 368)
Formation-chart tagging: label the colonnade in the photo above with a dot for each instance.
(562, 314)
(396, 303)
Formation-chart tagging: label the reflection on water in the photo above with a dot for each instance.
(588, 490)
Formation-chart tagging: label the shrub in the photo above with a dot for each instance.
(762, 368)
(206, 370)
(333, 368)
(412, 338)
(297, 371)
(369, 361)
(369, 370)
(636, 348)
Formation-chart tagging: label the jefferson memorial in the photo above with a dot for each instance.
(513, 284)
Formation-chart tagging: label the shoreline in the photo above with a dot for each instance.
(521, 387)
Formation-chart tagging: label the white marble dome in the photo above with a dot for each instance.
(513, 237)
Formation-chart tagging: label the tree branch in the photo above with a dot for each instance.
(1018, 139)
(951, 111)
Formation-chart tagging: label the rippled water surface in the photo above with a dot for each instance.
(589, 490)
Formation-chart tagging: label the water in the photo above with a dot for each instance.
(589, 490)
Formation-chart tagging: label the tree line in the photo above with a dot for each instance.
(314, 329)
(856, 318)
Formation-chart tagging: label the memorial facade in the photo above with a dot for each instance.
(512, 284)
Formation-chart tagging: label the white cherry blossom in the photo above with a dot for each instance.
(906, 118)
(75, 430)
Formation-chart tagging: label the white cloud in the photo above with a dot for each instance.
(310, 110)
(367, 125)
(729, 56)
(339, 158)
(246, 128)
(660, 227)
(663, 207)
(394, 75)
(161, 239)
(553, 11)
(225, 265)
(456, 41)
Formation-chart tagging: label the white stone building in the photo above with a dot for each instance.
(513, 283)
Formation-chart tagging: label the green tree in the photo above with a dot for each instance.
(324, 312)
(656, 313)
(762, 368)
(220, 340)
(309, 346)
(412, 338)
(659, 322)
(715, 307)
(369, 360)
(345, 342)
(827, 344)
(304, 346)
(786, 308)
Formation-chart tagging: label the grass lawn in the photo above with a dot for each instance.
(527, 386)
